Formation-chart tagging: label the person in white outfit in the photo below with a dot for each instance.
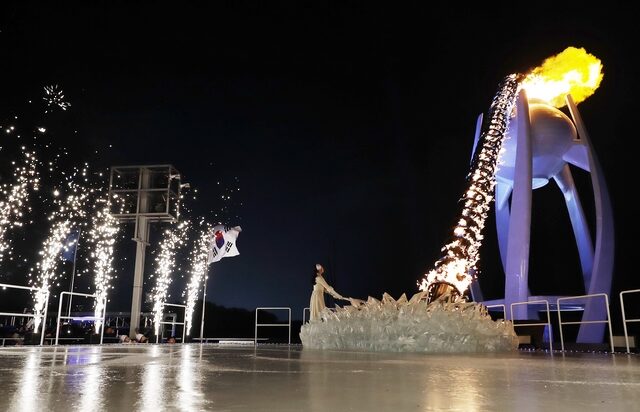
(317, 296)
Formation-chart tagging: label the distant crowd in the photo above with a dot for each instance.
(12, 335)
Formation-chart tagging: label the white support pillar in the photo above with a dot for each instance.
(603, 256)
(503, 214)
(517, 265)
(142, 241)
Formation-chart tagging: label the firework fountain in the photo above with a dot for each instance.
(102, 236)
(172, 240)
(14, 202)
(70, 210)
(198, 257)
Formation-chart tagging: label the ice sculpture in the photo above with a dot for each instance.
(409, 326)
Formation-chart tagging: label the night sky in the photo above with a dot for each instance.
(348, 129)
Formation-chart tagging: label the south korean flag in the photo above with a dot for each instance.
(223, 243)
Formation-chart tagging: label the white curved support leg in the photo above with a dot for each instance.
(503, 191)
(564, 179)
(604, 247)
(517, 265)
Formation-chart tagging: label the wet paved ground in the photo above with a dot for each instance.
(278, 378)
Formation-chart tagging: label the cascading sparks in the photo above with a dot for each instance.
(461, 254)
(198, 257)
(102, 236)
(165, 262)
(70, 209)
(51, 249)
(14, 200)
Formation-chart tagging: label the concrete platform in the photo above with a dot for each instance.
(278, 378)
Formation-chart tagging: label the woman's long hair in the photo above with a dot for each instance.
(315, 273)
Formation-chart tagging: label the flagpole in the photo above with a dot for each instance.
(73, 271)
(226, 249)
(204, 299)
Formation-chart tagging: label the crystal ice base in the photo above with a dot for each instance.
(410, 326)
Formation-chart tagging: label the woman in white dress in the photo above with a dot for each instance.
(317, 296)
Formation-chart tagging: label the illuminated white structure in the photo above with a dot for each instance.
(541, 144)
(143, 194)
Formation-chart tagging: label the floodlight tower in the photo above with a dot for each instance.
(541, 144)
(143, 195)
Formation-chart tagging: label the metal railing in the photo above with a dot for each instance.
(607, 321)
(255, 336)
(547, 323)
(624, 316)
(13, 339)
(184, 329)
(82, 318)
(119, 323)
(29, 315)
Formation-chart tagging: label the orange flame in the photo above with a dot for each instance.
(573, 71)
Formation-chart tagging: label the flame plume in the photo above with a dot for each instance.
(573, 71)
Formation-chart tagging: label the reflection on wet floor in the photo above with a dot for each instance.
(282, 378)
